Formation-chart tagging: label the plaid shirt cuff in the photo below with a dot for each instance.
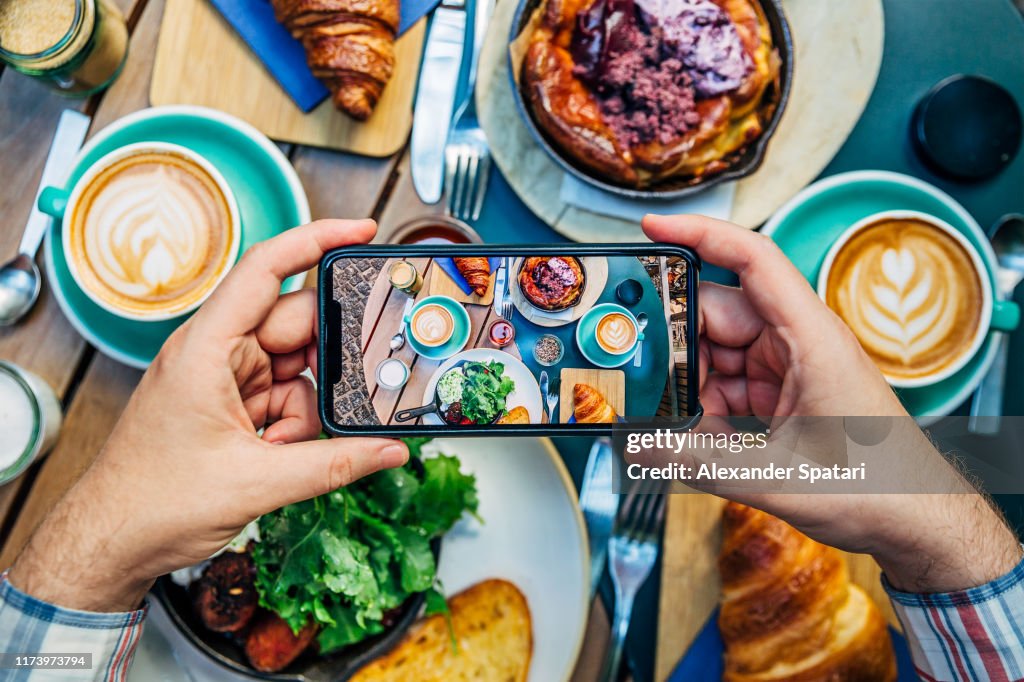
(975, 634)
(31, 626)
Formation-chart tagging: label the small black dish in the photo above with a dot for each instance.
(967, 128)
(741, 164)
(629, 292)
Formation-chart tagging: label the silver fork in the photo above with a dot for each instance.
(507, 307)
(552, 400)
(467, 156)
(632, 552)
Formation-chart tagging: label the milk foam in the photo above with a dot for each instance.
(153, 234)
(910, 294)
(16, 420)
(615, 333)
(433, 324)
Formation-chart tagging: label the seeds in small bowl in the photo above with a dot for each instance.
(548, 350)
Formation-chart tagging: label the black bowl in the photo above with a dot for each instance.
(740, 164)
(229, 651)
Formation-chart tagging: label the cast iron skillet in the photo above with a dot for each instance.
(579, 294)
(437, 407)
(741, 163)
(229, 651)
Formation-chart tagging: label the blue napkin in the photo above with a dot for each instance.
(704, 659)
(284, 56)
(448, 265)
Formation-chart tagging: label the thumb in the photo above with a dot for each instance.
(299, 471)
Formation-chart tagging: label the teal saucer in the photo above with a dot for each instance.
(807, 226)
(459, 337)
(269, 194)
(587, 329)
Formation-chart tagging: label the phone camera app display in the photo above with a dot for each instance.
(539, 340)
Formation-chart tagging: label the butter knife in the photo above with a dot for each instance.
(499, 290)
(435, 98)
(599, 505)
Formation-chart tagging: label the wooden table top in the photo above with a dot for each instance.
(93, 388)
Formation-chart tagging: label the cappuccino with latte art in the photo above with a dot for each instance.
(151, 231)
(914, 293)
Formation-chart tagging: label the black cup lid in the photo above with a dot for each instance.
(967, 128)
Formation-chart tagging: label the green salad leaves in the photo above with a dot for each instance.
(484, 390)
(346, 558)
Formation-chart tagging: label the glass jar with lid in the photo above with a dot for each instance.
(76, 47)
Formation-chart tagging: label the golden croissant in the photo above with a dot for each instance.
(476, 272)
(350, 46)
(590, 407)
(789, 611)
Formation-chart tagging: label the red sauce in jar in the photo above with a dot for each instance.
(502, 333)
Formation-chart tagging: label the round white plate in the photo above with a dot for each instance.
(532, 535)
(525, 394)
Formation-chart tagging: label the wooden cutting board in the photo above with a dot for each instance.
(838, 49)
(441, 284)
(689, 576)
(201, 60)
(611, 383)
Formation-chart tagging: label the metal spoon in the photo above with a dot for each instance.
(1008, 243)
(398, 340)
(641, 322)
(20, 280)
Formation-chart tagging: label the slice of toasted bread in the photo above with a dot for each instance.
(517, 415)
(495, 641)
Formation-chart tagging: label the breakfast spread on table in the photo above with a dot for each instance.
(641, 92)
(457, 360)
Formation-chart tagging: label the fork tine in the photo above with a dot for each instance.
(460, 179)
(472, 163)
(451, 160)
(481, 186)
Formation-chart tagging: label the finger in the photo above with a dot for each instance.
(725, 396)
(247, 295)
(293, 412)
(299, 471)
(726, 360)
(288, 365)
(775, 287)
(290, 324)
(728, 317)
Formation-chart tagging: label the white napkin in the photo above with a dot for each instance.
(562, 315)
(715, 202)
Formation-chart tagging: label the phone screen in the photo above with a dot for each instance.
(495, 340)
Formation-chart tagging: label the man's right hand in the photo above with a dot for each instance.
(772, 348)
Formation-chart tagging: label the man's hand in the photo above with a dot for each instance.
(771, 348)
(184, 469)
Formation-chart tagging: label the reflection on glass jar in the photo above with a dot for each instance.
(30, 419)
(76, 46)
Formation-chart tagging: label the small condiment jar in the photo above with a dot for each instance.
(30, 419)
(392, 374)
(404, 276)
(75, 46)
(501, 333)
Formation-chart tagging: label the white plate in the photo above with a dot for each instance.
(525, 394)
(532, 535)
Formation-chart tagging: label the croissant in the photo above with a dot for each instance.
(590, 407)
(789, 611)
(350, 46)
(476, 271)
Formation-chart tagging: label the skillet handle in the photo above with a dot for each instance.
(409, 415)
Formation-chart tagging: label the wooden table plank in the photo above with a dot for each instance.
(98, 403)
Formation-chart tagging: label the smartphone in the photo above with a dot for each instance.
(507, 340)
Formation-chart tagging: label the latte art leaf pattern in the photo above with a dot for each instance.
(152, 231)
(616, 333)
(910, 293)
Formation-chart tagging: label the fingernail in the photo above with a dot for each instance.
(393, 455)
